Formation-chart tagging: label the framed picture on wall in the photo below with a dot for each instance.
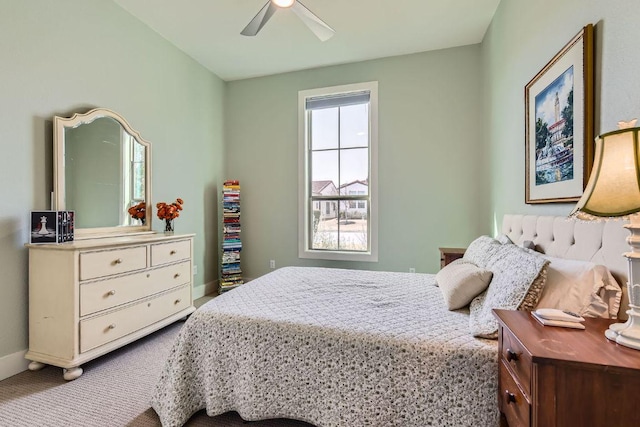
(559, 116)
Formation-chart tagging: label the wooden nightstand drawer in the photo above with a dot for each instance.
(513, 354)
(512, 402)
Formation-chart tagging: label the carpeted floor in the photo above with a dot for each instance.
(113, 391)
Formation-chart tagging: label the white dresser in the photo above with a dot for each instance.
(89, 297)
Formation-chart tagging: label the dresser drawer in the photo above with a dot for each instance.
(105, 294)
(163, 253)
(102, 329)
(514, 355)
(512, 402)
(116, 261)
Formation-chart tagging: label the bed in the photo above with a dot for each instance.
(336, 347)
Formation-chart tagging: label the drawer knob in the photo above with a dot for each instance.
(112, 326)
(112, 292)
(175, 276)
(178, 301)
(173, 252)
(511, 398)
(118, 261)
(512, 356)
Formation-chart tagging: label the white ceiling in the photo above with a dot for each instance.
(209, 31)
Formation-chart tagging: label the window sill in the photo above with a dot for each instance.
(339, 256)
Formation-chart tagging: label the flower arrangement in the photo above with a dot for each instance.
(139, 211)
(169, 212)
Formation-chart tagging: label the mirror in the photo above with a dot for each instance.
(102, 171)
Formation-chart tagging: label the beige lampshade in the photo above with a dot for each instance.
(613, 189)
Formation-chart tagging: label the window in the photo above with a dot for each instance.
(338, 166)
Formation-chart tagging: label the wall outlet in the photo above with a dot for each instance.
(195, 270)
(272, 263)
(412, 270)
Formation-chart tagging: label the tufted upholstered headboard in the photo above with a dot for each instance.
(601, 242)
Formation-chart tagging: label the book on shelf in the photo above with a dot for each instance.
(232, 245)
(230, 256)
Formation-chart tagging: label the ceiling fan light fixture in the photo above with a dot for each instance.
(315, 24)
(283, 3)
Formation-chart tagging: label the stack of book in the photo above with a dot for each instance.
(231, 243)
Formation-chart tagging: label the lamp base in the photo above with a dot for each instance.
(628, 333)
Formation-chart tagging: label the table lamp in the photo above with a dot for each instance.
(613, 190)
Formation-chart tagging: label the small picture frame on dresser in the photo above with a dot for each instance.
(51, 226)
(44, 227)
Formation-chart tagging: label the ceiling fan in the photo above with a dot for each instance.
(315, 24)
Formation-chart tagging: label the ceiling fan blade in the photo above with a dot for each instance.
(315, 24)
(259, 20)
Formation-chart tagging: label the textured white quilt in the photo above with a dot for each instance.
(334, 348)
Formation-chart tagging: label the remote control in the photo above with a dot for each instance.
(557, 314)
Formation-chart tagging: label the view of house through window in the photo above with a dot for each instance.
(338, 162)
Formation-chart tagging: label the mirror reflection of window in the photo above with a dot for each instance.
(137, 167)
(133, 172)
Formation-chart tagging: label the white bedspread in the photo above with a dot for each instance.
(334, 348)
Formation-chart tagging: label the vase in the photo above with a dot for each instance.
(168, 226)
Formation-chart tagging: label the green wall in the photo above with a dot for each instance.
(432, 182)
(523, 37)
(59, 57)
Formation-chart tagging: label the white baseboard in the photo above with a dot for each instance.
(13, 364)
(206, 289)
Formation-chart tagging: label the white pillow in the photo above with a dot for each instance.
(460, 282)
(481, 250)
(515, 271)
(582, 287)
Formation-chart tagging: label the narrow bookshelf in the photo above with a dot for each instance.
(231, 243)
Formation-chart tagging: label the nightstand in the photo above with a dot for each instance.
(448, 255)
(556, 377)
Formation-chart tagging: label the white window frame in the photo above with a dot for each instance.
(304, 188)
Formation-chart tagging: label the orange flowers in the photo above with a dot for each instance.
(170, 211)
(138, 211)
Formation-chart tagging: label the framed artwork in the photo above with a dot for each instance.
(559, 116)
